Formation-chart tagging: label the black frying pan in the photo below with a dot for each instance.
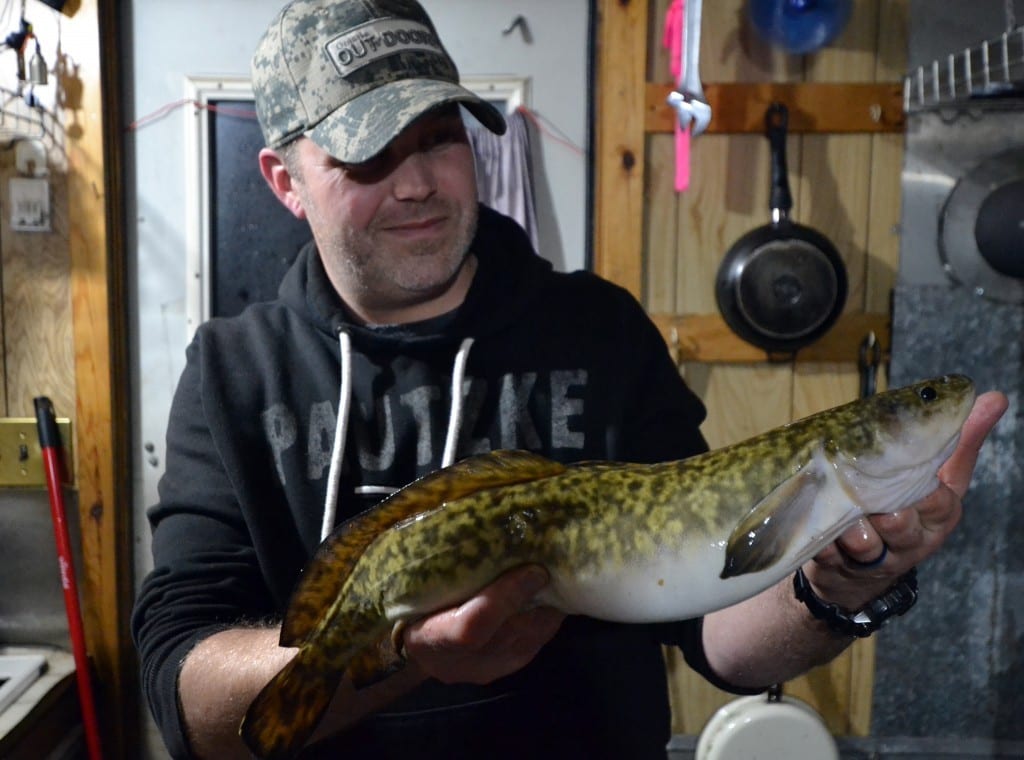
(781, 286)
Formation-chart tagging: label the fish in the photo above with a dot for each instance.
(625, 542)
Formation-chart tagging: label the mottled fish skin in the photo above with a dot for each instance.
(626, 542)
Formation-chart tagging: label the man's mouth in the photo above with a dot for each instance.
(414, 227)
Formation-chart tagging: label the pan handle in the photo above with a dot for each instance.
(776, 123)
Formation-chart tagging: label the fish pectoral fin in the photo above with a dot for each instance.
(377, 661)
(287, 710)
(325, 575)
(765, 534)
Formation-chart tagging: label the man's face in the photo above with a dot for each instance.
(393, 232)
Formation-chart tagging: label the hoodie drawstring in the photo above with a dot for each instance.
(341, 429)
(451, 440)
(340, 433)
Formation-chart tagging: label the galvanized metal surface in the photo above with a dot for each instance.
(942, 148)
(32, 601)
(948, 675)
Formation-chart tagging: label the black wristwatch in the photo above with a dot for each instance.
(899, 598)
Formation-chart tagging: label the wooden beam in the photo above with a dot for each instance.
(707, 338)
(89, 78)
(619, 142)
(822, 107)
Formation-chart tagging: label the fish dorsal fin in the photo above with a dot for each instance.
(762, 538)
(325, 575)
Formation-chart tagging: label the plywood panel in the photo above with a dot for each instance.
(661, 238)
(886, 159)
(38, 351)
(728, 196)
(620, 142)
(745, 400)
(831, 196)
(882, 241)
(659, 68)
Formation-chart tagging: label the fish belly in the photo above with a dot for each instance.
(667, 587)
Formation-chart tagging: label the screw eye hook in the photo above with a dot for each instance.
(519, 22)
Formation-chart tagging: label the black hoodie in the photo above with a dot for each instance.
(566, 365)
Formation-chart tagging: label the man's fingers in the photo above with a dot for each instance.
(524, 634)
(479, 618)
(956, 472)
(496, 632)
(860, 543)
(474, 623)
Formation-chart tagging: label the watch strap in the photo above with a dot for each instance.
(896, 600)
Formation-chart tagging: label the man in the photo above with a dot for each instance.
(448, 336)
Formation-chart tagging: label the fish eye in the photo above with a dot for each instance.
(928, 394)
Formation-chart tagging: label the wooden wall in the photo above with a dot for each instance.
(92, 113)
(667, 247)
(63, 315)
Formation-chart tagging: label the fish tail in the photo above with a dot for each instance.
(287, 710)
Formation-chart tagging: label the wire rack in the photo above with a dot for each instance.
(992, 69)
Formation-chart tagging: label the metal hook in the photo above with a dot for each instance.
(869, 358)
(673, 346)
(524, 28)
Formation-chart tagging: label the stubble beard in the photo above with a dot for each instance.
(390, 276)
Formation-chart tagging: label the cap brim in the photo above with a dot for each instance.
(362, 128)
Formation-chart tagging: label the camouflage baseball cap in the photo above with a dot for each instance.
(352, 74)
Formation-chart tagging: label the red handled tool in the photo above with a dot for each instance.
(50, 443)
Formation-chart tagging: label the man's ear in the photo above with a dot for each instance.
(274, 171)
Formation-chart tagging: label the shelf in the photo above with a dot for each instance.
(707, 338)
(739, 107)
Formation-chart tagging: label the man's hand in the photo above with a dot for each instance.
(491, 635)
(909, 536)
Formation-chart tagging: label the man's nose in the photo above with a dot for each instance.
(414, 178)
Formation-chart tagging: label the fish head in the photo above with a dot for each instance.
(889, 449)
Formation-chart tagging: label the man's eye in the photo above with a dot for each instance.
(443, 137)
(370, 170)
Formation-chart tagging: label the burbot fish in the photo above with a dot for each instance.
(622, 542)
